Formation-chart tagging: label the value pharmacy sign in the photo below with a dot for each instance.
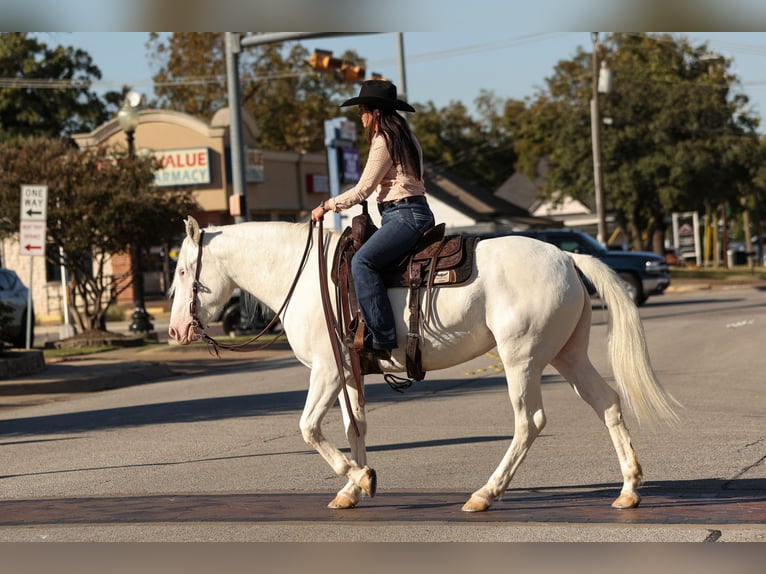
(190, 166)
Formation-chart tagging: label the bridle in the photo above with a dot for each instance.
(330, 320)
(199, 329)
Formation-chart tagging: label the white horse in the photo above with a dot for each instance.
(525, 298)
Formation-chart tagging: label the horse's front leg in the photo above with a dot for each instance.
(356, 430)
(323, 391)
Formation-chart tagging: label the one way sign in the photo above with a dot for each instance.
(34, 211)
(34, 202)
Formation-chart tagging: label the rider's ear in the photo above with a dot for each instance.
(192, 229)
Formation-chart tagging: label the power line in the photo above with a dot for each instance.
(31, 83)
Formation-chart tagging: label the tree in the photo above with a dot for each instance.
(46, 91)
(674, 143)
(100, 202)
(478, 150)
(192, 72)
(290, 102)
(288, 99)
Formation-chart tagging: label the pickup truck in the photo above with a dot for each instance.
(643, 273)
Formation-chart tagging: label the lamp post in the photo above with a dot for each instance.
(128, 119)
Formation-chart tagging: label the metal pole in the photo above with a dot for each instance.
(233, 46)
(66, 330)
(29, 304)
(400, 60)
(595, 124)
(140, 319)
(236, 144)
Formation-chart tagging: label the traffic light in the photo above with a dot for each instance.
(322, 60)
(351, 72)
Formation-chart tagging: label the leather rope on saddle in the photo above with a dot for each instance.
(437, 260)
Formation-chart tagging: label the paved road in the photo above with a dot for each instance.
(218, 455)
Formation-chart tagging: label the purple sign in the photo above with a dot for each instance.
(350, 165)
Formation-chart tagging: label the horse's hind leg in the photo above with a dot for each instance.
(575, 366)
(529, 420)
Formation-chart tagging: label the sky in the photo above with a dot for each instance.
(440, 67)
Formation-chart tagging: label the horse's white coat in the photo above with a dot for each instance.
(525, 298)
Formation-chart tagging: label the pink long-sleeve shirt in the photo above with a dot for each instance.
(381, 175)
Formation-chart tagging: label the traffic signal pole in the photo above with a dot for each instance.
(234, 43)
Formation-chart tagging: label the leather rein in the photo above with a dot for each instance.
(330, 320)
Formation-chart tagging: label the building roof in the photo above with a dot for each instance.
(479, 204)
(523, 191)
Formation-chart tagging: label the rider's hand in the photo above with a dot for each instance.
(317, 214)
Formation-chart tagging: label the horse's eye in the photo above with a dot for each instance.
(181, 272)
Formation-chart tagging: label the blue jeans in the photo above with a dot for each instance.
(401, 228)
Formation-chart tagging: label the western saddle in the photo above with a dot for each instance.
(437, 260)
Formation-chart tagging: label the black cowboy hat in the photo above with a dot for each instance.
(378, 94)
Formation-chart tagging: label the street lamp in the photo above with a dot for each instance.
(128, 120)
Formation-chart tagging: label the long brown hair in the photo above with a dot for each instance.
(399, 140)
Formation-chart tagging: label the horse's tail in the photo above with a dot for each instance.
(628, 352)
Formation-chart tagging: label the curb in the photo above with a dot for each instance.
(103, 378)
(121, 368)
(20, 363)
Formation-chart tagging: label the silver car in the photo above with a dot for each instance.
(14, 297)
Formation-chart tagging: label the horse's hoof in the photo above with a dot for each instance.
(369, 482)
(341, 501)
(477, 503)
(627, 500)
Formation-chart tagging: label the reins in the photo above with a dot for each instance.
(213, 345)
(330, 320)
(334, 331)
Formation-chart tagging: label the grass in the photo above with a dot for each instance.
(80, 351)
(75, 351)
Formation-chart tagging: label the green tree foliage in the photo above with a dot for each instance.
(478, 150)
(192, 72)
(678, 139)
(288, 99)
(99, 203)
(45, 91)
(290, 102)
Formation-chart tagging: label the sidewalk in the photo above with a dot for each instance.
(121, 367)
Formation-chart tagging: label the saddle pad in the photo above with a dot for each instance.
(453, 268)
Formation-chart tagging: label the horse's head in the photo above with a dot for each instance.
(199, 287)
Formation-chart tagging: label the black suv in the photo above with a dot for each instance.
(236, 320)
(644, 273)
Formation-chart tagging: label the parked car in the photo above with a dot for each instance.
(644, 274)
(237, 320)
(755, 249)
(14, 298)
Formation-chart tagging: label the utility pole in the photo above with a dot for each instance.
(595, 126)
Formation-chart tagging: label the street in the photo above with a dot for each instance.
(219, 457)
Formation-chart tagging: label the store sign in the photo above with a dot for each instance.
(317, 183)
(350, 167)
(686, 235)
(190, 166)
(253, 165)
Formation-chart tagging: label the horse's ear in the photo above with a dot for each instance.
(192, 229)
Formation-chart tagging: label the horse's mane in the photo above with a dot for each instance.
(288, 228)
